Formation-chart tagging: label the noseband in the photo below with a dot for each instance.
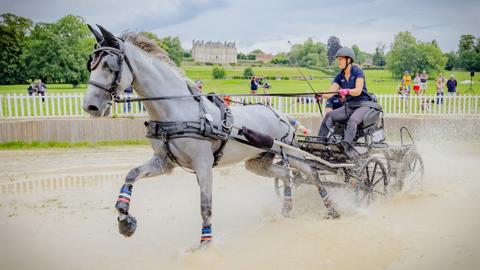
(98, 54)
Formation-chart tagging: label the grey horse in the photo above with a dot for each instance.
(135, 60)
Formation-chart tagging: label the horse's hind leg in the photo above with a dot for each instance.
(155, 166)
(312, 175)
(264, 166)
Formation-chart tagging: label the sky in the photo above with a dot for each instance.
(269, 24)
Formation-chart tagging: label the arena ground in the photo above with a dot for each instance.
(69, 222)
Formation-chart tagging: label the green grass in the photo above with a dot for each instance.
(378, 81)
(52, 144)
(205, 72)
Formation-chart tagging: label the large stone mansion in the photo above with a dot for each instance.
(214, 52)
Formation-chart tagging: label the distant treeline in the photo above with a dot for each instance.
(57, 52)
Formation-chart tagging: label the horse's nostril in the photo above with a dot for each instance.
(92, 108)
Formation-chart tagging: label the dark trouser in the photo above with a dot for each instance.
(354, 116)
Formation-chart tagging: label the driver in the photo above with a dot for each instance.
(350, 84)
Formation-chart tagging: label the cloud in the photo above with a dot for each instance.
(268, 24)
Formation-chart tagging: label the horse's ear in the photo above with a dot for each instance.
(97, 35)
(109, 39)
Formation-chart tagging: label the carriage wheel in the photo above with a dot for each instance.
(411, 172)
(372, 182)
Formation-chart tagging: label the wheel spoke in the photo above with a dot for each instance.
(368, 174)
(381, 178)
(374, 173)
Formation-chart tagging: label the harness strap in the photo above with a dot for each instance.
(205, 129)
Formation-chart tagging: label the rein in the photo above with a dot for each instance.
(196, 96)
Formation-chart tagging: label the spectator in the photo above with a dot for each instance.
(128, 95)
(266, 88)
(253, 85)
(41, 89)
(199, 85)
(452, 86)
(416, 84)
(407, 79)
(31, 89)
(440, 85)
(403, 91)
(423, 82)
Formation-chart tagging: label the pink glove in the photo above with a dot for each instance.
(343, 92)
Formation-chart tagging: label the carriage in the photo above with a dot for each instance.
(377, 170)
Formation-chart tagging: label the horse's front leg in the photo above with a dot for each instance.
(205, 181)
(155, 166)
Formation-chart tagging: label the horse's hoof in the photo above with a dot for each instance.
(205, 244)
(127, 226)
(286, 212)
(287, 207)
(332, 214)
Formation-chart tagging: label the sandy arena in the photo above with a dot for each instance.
(56, 212)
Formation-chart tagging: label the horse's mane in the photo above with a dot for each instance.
(151, 47)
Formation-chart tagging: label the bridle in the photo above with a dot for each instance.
(116, 67)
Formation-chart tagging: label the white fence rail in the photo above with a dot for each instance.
(70, 105)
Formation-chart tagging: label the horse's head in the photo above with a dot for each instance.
(110, 72)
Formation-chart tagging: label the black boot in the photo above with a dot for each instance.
(348, 149)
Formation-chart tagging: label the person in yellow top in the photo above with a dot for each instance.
(407, 79)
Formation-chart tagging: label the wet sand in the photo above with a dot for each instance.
(69, 221)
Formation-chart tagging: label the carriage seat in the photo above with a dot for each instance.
(372, 121)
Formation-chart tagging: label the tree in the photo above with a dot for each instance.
(402, 55)
(218, 72)
(309, 53)
(406, 54)
(241, 56)
(360, 56)
(333, 45)
(257, 51)
(14, 32)
(281, 59)
(430, 58)
(469, 53)
(378, 58)
(467, 43)
(248, 72)
(187, 54)
(171, 45)
(452, 60)
(58, 51)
